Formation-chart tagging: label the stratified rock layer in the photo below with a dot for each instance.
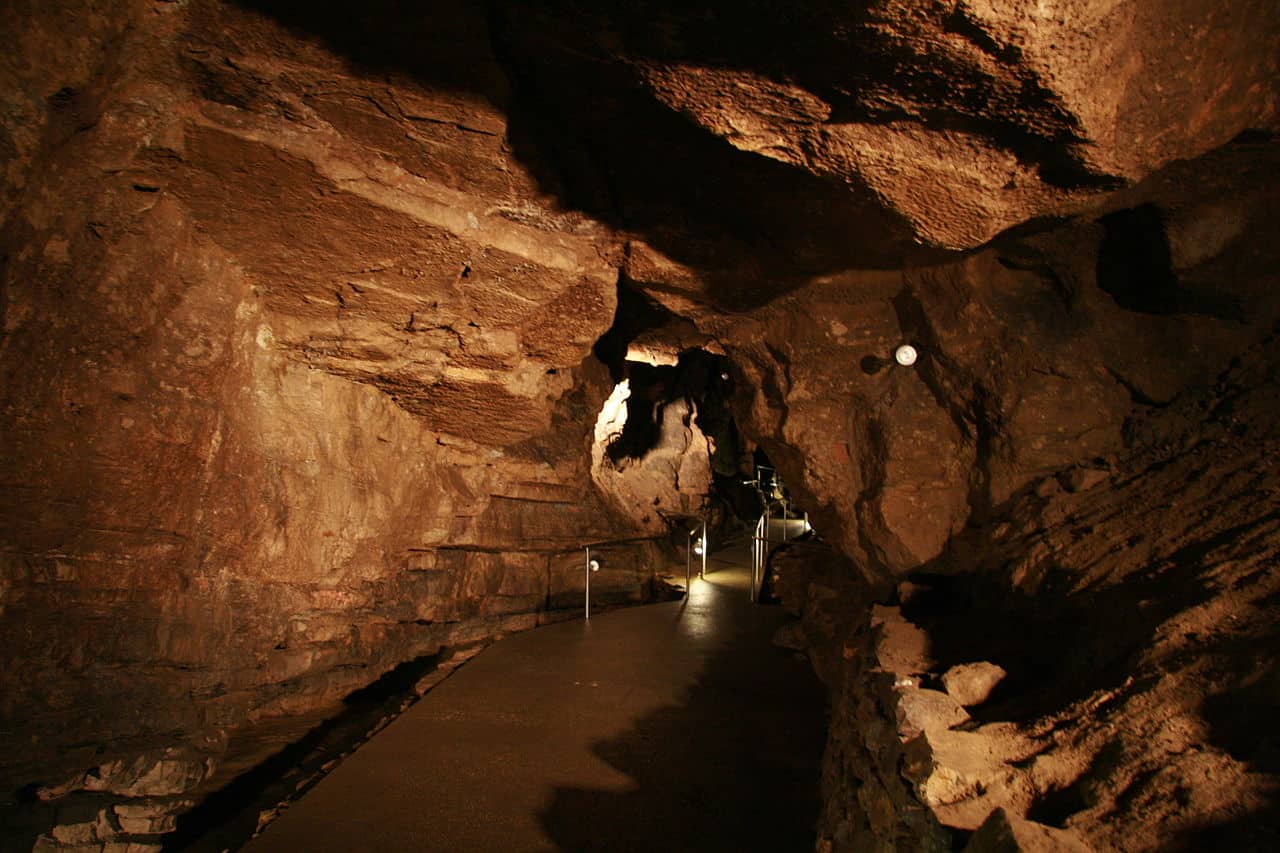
(297, 383)
(1132, 622)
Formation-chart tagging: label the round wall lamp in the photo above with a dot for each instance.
(905, 355)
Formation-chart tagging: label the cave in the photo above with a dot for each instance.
(350, 354)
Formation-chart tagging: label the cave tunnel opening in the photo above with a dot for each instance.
(675, 388)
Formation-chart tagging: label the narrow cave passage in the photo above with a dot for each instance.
(330, 335)
(676, 726)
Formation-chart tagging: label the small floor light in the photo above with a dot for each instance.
(905, 355)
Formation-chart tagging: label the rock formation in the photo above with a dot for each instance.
(303, 357)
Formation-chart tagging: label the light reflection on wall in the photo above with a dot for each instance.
(613, 415)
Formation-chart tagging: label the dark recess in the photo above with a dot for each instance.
(1135, 266)
(228, 817)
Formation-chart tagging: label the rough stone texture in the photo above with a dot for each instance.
(972, 683)
(1029, 364)
(298, 310)
(938, 122)
(297, 382)
(1008, 833)
(667, 482)
(921, 711)
(1134, 626)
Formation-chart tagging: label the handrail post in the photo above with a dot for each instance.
(706, 546)
(588, 584)
(758, 565)
(688, 562)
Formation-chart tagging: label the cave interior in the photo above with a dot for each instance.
(331, 335)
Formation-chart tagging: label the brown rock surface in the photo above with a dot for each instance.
(297, 381)
(1008, 833)
(941, 123)
(971, 683)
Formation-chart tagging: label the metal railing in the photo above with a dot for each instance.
(593, 565)
(759, 551)
(698, 547)
(696, 544)
(761, 541)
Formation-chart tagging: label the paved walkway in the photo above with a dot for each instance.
(668, 727)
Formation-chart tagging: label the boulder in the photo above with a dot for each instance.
(971, 683)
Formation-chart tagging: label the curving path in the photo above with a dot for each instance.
(668, 727)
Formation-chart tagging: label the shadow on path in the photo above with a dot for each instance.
(735, 767)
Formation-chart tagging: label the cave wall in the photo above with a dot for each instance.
(1028, 364)
(1092, 666)
(297, 384)
(298, 310)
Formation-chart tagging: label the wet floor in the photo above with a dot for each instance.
(668, 727)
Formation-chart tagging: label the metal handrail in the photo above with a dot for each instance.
(759, 552)
(688, 545)
(594, 565)
(622, 541)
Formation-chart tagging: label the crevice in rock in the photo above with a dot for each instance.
(231, 815)
(1135, 267)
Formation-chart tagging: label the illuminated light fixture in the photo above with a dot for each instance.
(699, 546)
(905, 355)
(594, 564)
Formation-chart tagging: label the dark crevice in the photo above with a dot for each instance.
(636, 313)
(1135, 267)
(228, 817)
(698, 380)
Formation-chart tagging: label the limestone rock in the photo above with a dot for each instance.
(920, 711)
(961, 776)
(791, 636)
(297, 383)
(902, 648)
(150, 818)
(1003, 832)
(151, 774)
(668, 480)
(1007, 116)
(971, 683)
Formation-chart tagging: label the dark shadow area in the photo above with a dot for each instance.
(1252, 832)
(227, 818)
(1056, 806)
(1243, 719)
(1095, 634)
(635, 314)
(871, 365)
(1135, 267)
(443, 44)
(589, 128)
(24, 818)
(699, 379)
(735, 767)
(781, 560)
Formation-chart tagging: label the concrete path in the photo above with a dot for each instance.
(668, 727)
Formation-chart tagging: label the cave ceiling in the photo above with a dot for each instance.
(307, 312)
(753, 142)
